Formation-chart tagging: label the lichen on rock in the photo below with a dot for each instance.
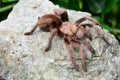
(23, 57)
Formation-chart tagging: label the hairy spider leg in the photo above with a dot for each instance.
(62, 13)
(82, 56)
(89, 45)
(64, 16)
(53, 32)
(42, 24)
(100, 33)
(85, 27)
(70, 49)
(78, 27)
(80, 20)
(30, 32)
(92, 19)
(95, 26)
(87, 18)
(87, 32)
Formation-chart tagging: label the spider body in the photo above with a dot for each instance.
(74, 34)
(46, 23)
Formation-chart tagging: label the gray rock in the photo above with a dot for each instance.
(23, 57)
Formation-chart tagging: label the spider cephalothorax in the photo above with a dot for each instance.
(74, 34)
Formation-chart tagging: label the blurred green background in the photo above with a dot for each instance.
(107, 12)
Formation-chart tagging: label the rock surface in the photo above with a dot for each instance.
(23, 57)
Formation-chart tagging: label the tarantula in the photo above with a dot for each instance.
(74, 34)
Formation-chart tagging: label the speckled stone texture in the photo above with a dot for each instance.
(23, 57)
